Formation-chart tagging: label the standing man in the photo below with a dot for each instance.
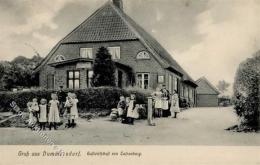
(62, 99)
(165, 101)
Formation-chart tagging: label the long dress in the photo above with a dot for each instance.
(132, 110)
(54, 111)
(175, 104)
(157, 99)
(165, 99)
(74, 109)
(43, 113)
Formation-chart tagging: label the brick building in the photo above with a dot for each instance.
(207, 94)
(140, 60)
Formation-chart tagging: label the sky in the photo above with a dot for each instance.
(207, 37)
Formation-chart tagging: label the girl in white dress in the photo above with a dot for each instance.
(43, 113)
(68, 105)
(54, 116)
(175, 109)
(35, 109)
(74, 114)
(157, 97)
(131, 110)
(32, 120)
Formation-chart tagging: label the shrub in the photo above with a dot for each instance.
(183, 103)
(246, 91)
(91, 98)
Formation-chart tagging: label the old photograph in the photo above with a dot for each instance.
(130, 72)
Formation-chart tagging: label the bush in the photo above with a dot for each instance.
(91, 98)
(246, 91)
(184, 103)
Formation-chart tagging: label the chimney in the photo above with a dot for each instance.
(118, 3)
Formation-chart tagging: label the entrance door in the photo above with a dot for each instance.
(120, 79)
(50, 81)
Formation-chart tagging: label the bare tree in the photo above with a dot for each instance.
(223, 86)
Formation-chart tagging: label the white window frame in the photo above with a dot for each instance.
(73, 79)
(142, 80)
(86, 53)
(175, 83)
(113, 50)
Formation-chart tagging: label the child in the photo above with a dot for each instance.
(157, 96)
(68, 105)
(175, 109)
(32, 119)
(120, 110)
(43, 113)
(54, 116)
(35, 109)
(121, 107)
(131, 114)
(74, 114)
(124, 115)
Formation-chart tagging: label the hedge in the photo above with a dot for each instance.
(91, 98)
(246, 90)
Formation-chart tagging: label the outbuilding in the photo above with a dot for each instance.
(207, 94)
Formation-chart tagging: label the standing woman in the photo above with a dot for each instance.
(175, 109)
(157, 96)
(54, 115)
(165, 102)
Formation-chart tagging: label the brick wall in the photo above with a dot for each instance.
(129, 50)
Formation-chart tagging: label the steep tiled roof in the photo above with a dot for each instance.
(205, 87)
(109, 23)
(103, 25)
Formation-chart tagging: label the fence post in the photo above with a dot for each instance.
(150, 112)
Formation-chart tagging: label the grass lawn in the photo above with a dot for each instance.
(198, 126)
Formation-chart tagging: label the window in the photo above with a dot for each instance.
(73, 79)
(170, 83)
(143, 55)
(59, 58)
(86, 53)
(191, 93)
(186, 92)
(89, 77)
(115, 52)
(182, 90)
(143, 80)
(175, 79)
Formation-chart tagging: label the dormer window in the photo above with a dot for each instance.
(59, 58)
(115, 52)
(86, 53)
(143, 55)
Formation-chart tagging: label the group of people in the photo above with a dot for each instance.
(127, 110)
(65, 105)
(48, 113)
(164, 103)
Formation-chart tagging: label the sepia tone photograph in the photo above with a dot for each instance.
(121, 72)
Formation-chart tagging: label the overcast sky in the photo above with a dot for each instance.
(207, 37)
